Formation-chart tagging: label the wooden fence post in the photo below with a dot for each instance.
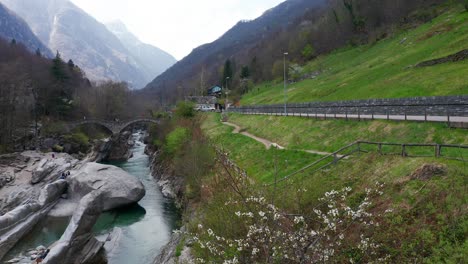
(380, 148)
(448, 120)
(403, 150)
(437, 151)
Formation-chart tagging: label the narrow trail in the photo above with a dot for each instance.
(268, 144)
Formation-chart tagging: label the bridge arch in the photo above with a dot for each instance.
(115, 127)
(136, 121)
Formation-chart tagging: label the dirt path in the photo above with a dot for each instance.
(268, 144)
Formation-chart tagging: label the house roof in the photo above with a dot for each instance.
(215, 87)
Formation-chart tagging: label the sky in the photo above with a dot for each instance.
(176, 26)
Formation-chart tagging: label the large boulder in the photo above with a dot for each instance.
(43, 170)
(17, 223)
(119, 187)
(120, 149)
(78, 244)
(52, 192)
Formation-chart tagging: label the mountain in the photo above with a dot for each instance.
(303, 28)
(14, 27)
(153, 60)
(64, 27)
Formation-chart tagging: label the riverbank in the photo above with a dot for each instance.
(28, 191)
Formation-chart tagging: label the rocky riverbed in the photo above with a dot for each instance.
(32, 188)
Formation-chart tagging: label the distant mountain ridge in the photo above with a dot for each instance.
(64, 27)
(14, 27)
(239, 39)
(292, 26)
(154, 60)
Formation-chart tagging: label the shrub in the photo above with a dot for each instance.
(80, 138)
(79, 141)
(193, 164)
(57, 148)
(269, 235)
(176, 139)
(185, 110)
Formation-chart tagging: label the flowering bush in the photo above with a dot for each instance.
(273, 236)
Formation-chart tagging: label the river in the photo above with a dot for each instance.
(145, 227)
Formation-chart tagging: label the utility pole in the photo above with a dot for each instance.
(285, 90)
(202, 81)
(226, 93)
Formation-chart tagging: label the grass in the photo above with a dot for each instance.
(251, 155)
(429, 215)
(428, 223)
(331, 135)
(383, 69)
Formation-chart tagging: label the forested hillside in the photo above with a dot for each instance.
(303, 28)
(38, 92)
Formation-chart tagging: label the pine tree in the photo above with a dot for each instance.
(71, 64)
(58, 70)
(228, 72)
(245, 72)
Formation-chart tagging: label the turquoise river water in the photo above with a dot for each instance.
(145, 227)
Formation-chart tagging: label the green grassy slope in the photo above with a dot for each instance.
(428, 223)
(252, 156)
(331, 135)
(383, 69)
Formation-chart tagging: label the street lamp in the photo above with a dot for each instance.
(285, 91)
(226, 93)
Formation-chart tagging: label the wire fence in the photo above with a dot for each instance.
(446, 151)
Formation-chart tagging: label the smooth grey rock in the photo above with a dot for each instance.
(77, 244)
(16, 232)
(52, 192)
(120, 147)
(119, 187)
(168, 252)
(15, 260)
(42, 171)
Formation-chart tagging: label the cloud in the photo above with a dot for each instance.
(177, 26)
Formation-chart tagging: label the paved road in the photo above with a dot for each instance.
(443, 119)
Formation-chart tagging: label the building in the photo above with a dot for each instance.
(215, 91)
(203, 103)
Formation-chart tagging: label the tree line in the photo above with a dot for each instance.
(35, 90)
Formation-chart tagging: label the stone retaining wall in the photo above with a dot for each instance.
(432, 106)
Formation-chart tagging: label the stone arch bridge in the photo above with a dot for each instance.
(116, 127)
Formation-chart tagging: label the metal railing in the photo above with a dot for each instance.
(451, 109)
